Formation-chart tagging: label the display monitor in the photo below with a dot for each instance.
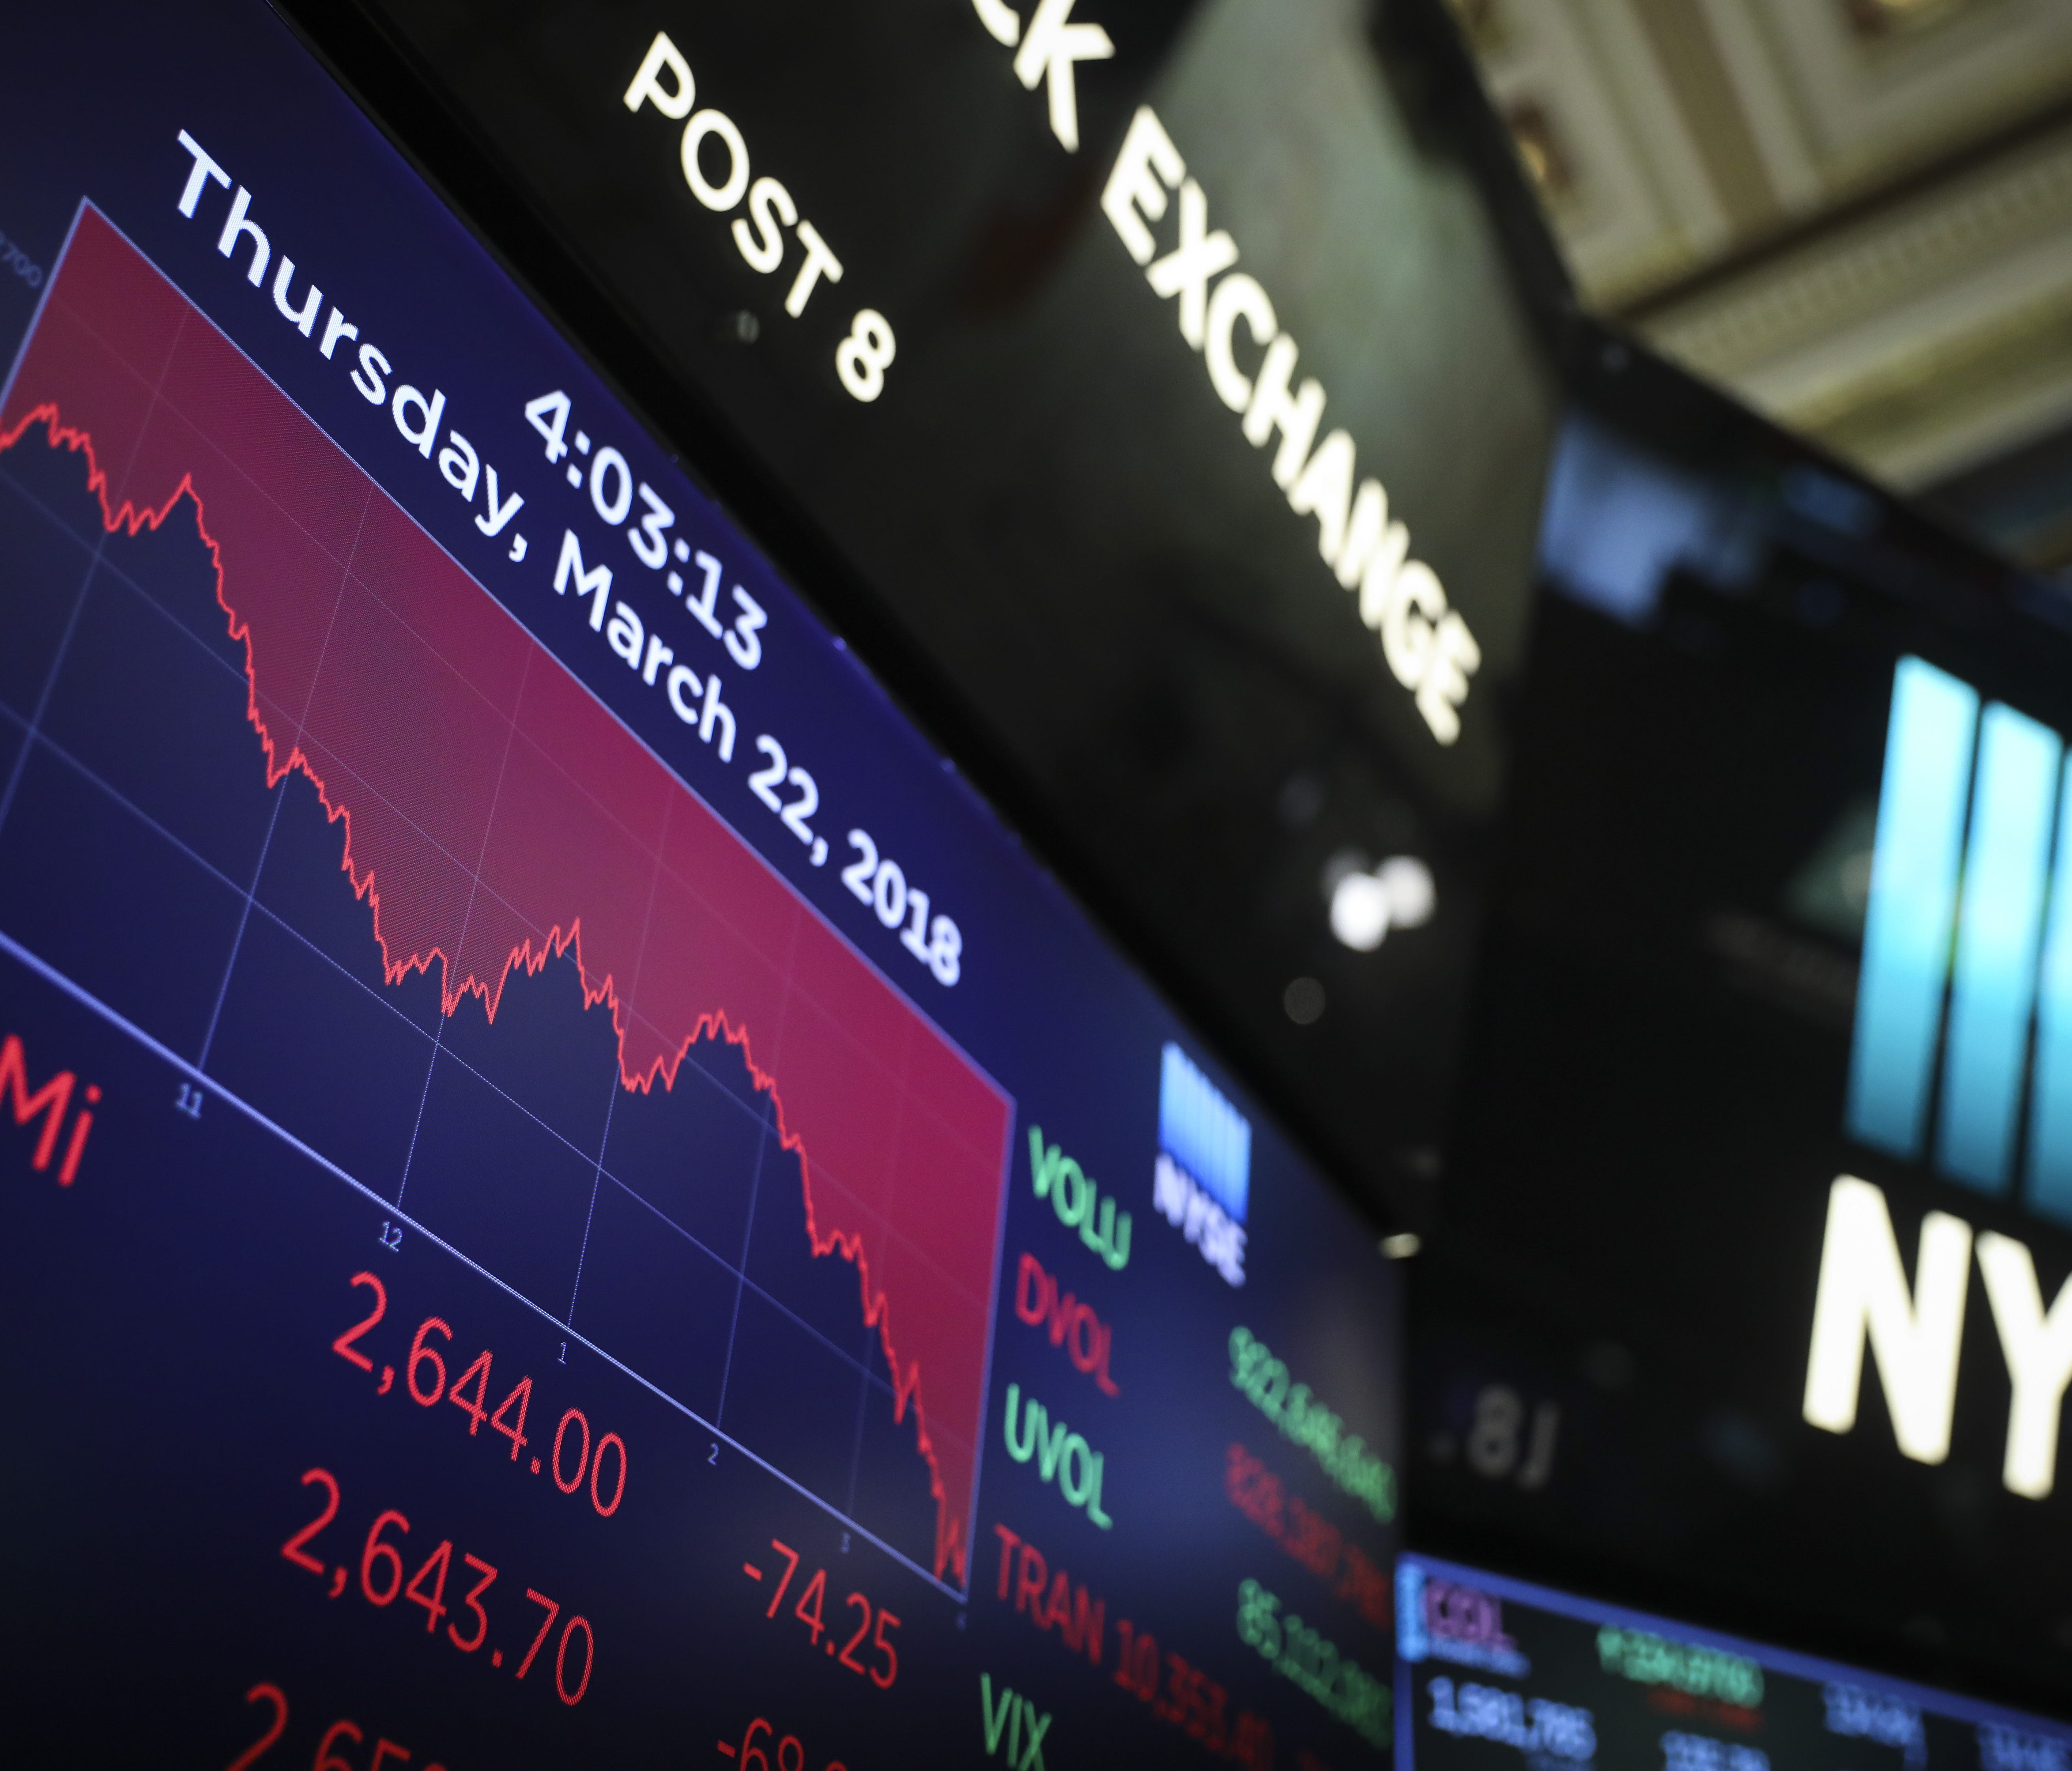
(1749, 1295)
(573, 1194)
(1495, 1672)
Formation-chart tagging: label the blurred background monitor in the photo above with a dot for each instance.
(1493, 1671)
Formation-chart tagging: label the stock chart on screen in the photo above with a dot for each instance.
(503, 821)
(569, 1186)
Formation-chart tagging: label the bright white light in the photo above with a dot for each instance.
(1412, 897)
(1401, 1245)
(1359, 911)
(1397, 894)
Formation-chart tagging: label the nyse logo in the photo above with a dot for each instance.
(1963, 1059)
(1967, 948)
(1202, 1181)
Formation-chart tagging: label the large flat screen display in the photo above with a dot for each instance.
(571, 1195)
(1496, 1675)
(1758, 1216)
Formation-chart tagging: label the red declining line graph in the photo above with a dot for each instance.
(495, 817)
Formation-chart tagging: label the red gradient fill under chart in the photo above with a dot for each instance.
(496, 816)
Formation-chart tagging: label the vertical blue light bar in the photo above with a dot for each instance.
(1203, 1132)
(1914, 898)
(2050, 1086)
(1176, 1105)
(1999, 925)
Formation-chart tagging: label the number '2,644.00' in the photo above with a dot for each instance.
(424, 1378)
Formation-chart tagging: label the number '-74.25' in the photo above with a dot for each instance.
(808, 1611)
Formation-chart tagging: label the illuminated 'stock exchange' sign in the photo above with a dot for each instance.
(1425, 642)
(1962, 1057)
